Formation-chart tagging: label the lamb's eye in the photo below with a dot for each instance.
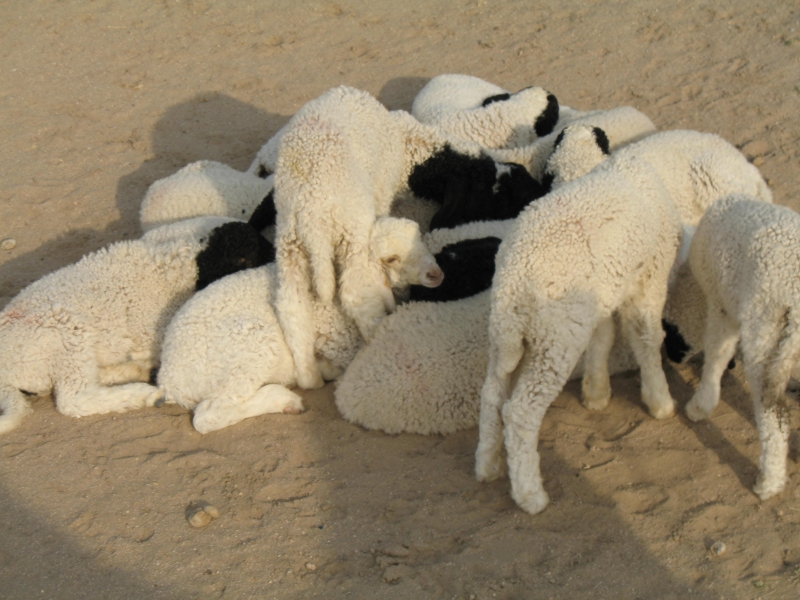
(391, 260)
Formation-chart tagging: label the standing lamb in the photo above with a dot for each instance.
(745, 256)
(601, 245)
(86, 327)
(342, 160)
(203, 188)
(225, 355)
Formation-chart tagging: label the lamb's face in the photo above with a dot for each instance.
(397, 245)
(577, 150)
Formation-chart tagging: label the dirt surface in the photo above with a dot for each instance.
(99, 99)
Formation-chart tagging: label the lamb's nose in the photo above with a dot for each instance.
(434, 277)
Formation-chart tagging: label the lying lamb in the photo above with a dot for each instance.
(225, 355)
(467, 108)
(452, 98)
(601, 245)
(342, 160)
(622, 126)
(203, 188)
(89, 326)
(745, 256)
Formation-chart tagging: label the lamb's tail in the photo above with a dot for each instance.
(14, 407)
(781, 363)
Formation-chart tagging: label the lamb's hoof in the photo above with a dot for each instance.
(489, 469)
(695, 413)
(767, 489)
(310, 382)
(160, 402)
(154, 398)
(532, 502)
(292, 410)
(596, 403)
(663, 410)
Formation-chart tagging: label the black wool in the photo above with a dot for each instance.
(546, 121)
(674, 344)
(265, 213)
(430, 178)
(468, 268)
(602, 140)
(232, 247)
(495, 98)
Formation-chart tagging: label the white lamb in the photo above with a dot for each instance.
(83, 329)
(468, 108)
(203, 188)
(266, 160)
(601, 245)
(745, 255)
(225, 355)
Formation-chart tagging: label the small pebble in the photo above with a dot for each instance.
(8, 244)
(718, 548)
(203, 516)
(311, 566)
(200, 519)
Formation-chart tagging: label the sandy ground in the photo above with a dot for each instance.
(98, 99)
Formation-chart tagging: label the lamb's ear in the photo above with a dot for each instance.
(231, 247)
(602, 140)
(559, 139)
(547, 182)
(265, 213)
(495, 98)
(546, 121)
(674, 343)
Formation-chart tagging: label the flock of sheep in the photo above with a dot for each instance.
(451, 266)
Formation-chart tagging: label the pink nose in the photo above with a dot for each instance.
(433, 277)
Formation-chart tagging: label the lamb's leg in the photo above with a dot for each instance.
(596, 385)
(13, 407)
(127, 372)
(364, 293)
(214, 414)
(294, 309)
(641, 326)
(544, 372)
(768, 370)
(96, 399)
(719, 346)
(489, 464)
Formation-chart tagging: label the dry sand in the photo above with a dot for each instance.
(98, 99)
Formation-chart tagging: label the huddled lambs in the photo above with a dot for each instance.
(225, 354)
(91, 332)
(342, 160)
